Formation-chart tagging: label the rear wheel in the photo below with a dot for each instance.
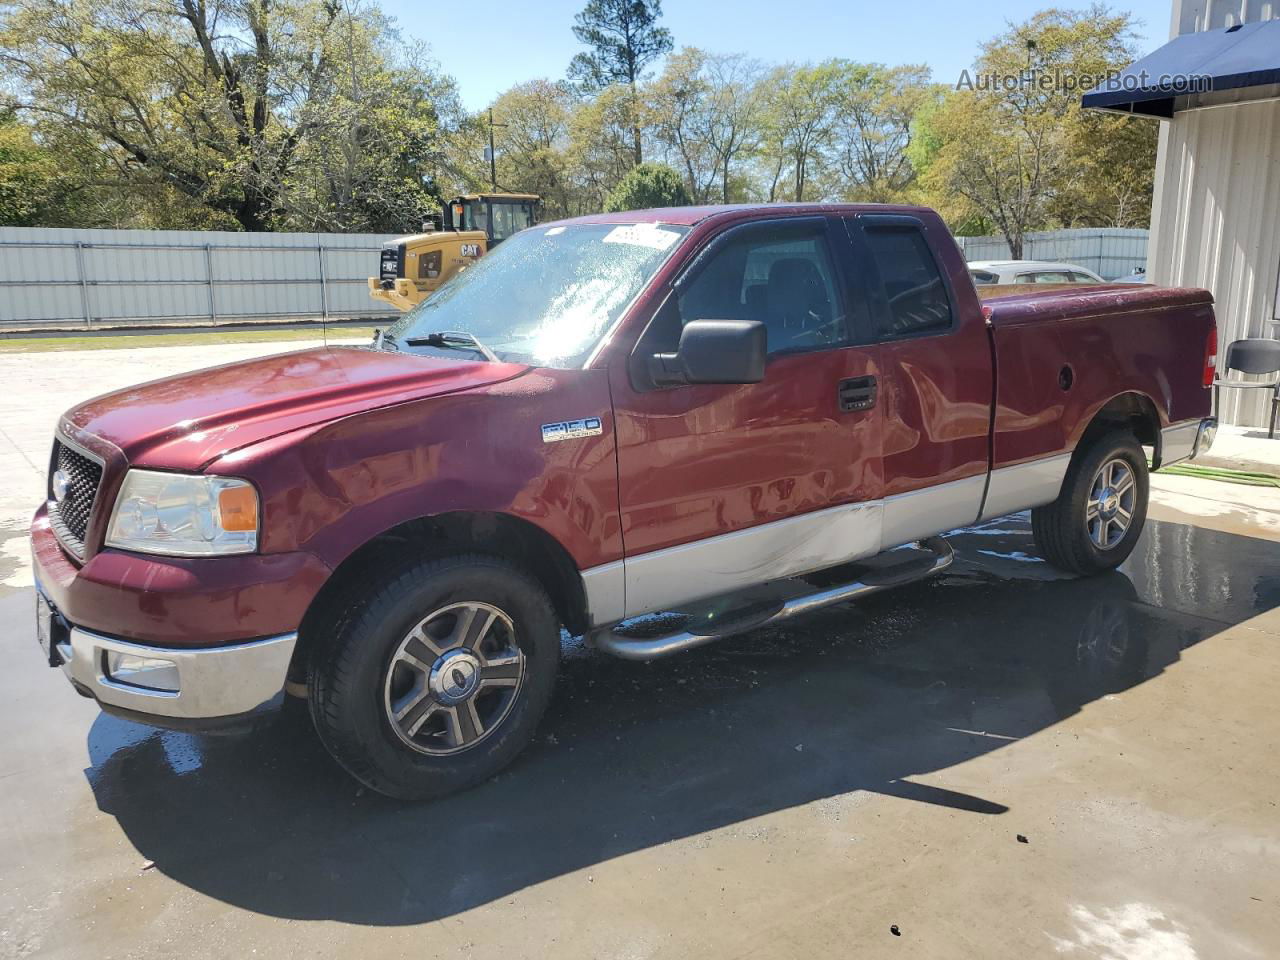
(1099, 514)
(437, 677)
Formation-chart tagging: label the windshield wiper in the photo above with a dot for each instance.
(454, 338)
(382, 338)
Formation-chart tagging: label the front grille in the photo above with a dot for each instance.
(70, 513)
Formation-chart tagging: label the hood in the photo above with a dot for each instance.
(183, 422)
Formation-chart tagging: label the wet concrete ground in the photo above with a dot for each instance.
(795, 792)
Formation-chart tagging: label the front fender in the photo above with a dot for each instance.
(330, 490)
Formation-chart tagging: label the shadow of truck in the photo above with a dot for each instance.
(859, 697)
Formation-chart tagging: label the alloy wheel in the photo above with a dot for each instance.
(1109, 511)
(454, 678)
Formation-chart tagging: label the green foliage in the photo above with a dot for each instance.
(624, 38)
(30, 179)
(648, 185)
(302, 114)
(318, 115)
(702, 115)
(1030, 157)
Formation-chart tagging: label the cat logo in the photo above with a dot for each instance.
(470, 250)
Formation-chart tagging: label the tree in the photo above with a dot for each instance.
(648, 185)
(600, 148)
(624, 38)
(1111, 167)
(677, 106)
(701, 110)
(1020, 153)
(269, 112)
(875, 107)
(733, 129)
(31, 180)
(533, 143)
(799, 108)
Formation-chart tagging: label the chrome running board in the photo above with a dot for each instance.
(774, 602)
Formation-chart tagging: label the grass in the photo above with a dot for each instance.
(1222, 473)
(108, 341)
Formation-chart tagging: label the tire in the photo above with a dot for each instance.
(1075, 536)
(464, 648)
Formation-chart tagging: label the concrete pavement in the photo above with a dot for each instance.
(795, 792)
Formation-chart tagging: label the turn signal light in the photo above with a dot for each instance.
(238, 509)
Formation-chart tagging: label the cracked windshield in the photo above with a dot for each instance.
(546, 296)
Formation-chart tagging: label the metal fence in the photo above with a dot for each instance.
(59, 278)
(92, 278)
(1110, 252)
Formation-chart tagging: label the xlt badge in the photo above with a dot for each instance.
(571, 429)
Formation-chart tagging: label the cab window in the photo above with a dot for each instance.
(780, 273)
(477, 216)
(774, 273)
(509, 218)
(918, 303)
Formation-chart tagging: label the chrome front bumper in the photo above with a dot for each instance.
(182, 684)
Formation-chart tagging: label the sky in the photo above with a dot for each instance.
(498, 43)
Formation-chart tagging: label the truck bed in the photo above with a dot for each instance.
(1059, 354)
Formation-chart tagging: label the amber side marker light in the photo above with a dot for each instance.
(238, 508)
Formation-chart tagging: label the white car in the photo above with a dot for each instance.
(988, 272)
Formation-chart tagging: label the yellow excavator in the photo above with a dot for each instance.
(412, 268)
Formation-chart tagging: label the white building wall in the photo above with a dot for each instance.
(1215, 219)
(1216, 224)
(1197, 16)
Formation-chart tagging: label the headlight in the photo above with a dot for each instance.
(182, 515)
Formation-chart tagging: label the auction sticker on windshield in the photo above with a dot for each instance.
(642, 235)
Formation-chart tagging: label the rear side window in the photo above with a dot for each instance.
(1082, 278)
(918, 302)
(982, 278)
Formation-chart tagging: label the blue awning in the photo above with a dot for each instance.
(1246, 55)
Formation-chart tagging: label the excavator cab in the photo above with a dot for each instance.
(412, 268)
(497, 215)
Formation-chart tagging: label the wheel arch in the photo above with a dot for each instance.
(503, 535)
(1131, 411)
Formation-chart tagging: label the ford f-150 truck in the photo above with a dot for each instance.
(738, 413)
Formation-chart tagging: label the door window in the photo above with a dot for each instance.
(917, 296)
(774, 273)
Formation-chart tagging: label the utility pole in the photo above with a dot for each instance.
(493, 156)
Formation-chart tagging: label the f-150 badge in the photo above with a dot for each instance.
(571, 429)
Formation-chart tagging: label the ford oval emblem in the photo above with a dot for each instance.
(61, 484)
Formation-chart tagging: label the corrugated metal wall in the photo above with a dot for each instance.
(111, 276)
(1216, 224)
(1110, 252)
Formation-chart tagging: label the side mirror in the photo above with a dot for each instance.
(714, 351)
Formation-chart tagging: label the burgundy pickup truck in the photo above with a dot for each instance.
(738, 413)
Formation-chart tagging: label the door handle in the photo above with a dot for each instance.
(857, 393)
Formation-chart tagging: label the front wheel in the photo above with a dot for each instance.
(1098, 517)
(436, 678)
